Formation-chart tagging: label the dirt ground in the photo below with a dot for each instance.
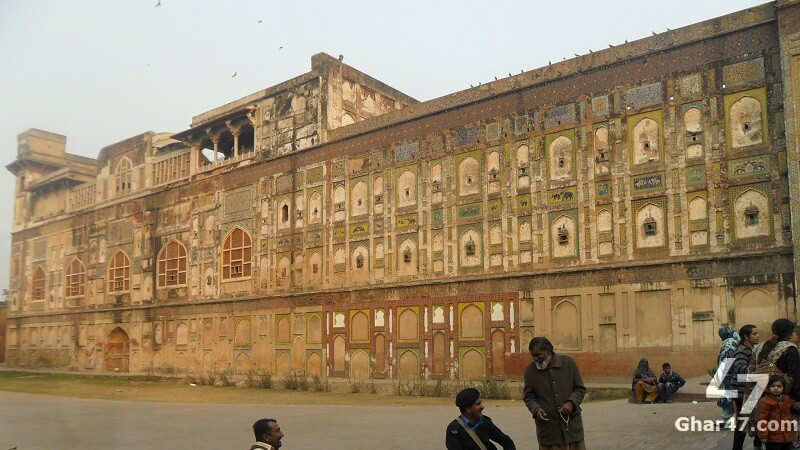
(34, 421)
(154, 389)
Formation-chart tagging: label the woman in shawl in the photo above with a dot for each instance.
(782, 351)
(730, 340)
(644, 383)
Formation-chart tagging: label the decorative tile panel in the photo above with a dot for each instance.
(749, 167)
(359, 230)
(559, 116)
(690, 86)
(492, 131)
(565, 198)
(470, 211)
(644, 96)
(696, 175)
(648, 182)
(600, 106)
(467, 137)
(603, 191)
(238, 202)
(407, 222)
(406, 152)
(743, 73)
(283, 184)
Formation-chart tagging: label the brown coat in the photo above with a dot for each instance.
(769, 410)
(550, 389)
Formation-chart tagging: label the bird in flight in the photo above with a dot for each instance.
(158, 4)
(280, 48)
(260, 21)
(234, 74)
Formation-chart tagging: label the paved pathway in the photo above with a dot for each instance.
(30, 421)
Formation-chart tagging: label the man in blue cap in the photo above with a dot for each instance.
(472, 430)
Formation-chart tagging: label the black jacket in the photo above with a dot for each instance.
(458, 439)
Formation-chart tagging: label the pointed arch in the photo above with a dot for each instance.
(75, 285)
(469, 176)
(315, 207)
(122, 175)
(746, 122)
(237, 254)
(358, 199)
(38, 284)
(406, 189)
(119, 273)
(172, 264)
(117, 351)
(646, 141)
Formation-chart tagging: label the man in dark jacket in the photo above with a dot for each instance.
(472, 425)
(553, 393)
(668, 383)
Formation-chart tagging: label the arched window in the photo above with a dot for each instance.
(122, 180)
(76, 279)
(563, 236)
(285, 213)
(751, 216)
(119, 273)
(172, 265)
(650, 227)
(470, 248)
(236, 255)
(37, 285)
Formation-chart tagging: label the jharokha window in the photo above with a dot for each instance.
(76, 279)
(172, 265)
(37, 286)
(119, 273)
(236, 255)
(122, 177)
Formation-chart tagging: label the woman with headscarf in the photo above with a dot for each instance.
(730, 340)
(644, 383)
(781, 351)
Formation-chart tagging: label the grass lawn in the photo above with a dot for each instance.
(156, 389)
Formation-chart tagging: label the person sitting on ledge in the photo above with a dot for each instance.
(668, 383)
(644, 383)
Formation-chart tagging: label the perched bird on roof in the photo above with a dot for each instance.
(341, 57)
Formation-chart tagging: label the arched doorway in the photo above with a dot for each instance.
(117, 352)
(498, 354)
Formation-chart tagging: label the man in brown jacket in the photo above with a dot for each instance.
(553, 393)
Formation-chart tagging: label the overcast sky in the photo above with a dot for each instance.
(102, 71)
